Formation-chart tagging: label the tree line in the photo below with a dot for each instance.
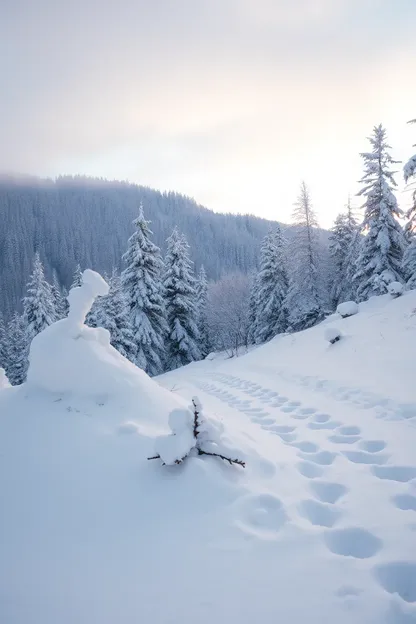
(161, 315)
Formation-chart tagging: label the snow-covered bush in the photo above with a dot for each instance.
(192, 434)
(348, 308)
(4, 382)
(332, 334)
(395, 289)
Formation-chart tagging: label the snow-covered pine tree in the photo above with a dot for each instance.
(58, 298)
(341, 241)
(38, 305)
(114, 317)
(381, 249)
(142, 286)
(409, 257)
(2, 343)
(181, 304)
(252, 310)
(304, 300)
(17, 350)
(202, 301)
(271, 288)
(77, 279)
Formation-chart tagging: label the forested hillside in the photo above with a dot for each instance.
(88, 221)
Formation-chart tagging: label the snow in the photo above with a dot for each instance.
(91, 531)
(395, 289)
(4, 382)
(348, 308)
(332, 334)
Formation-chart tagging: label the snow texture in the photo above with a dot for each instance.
(325, 509)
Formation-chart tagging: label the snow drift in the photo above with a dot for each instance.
(90, 531)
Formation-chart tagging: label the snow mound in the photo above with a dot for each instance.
(332, 334)
(69, 357)
(348, 308)
(4, 382)
(191, 429)
(395, 289)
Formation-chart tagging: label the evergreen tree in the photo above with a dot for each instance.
(409, 257)
(381, 249)
(17, 350)
(38, 304)
(181, 304)
(114, 316)
(304, 300)
(341, 243)
(77, 278)
(271, 289)
(202, 301)
(58, 298)
(2, 343)
(143, 291)
(252, 310)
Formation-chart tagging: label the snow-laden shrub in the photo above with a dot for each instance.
(348, 308)
(395, 289)
(332, 334)
(4, 382)
(192, 434)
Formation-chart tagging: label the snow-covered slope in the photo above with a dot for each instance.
(319, 527)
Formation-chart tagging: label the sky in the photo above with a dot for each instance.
(232, 102)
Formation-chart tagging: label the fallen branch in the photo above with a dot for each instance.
(227, 459)
(200, 451)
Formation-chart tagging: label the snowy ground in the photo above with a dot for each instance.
(319, 527)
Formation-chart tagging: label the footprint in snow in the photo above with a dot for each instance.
(306, 447)
(342, 439)
(372, 446)
(402, 474)
(362, 457)
(282, 428)
(353, 542)
(398, 577)
(288, 409)
(407, 502)
(327, 491)
(319, 514)
(349, 430)
(286, 437)
(322, 418)
(261, 515)
(309, 470)
(331, 424)
(323, 458)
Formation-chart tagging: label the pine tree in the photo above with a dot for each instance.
(114, 316)
(38, 304)
(181, 304)
(304, 300)
(77, 278)
(58, 298)
(271, 289)
(381, 249)
(341, 243)
(143, 290)
(17, 350)
(2, 343)
(409, 257)
(202, 301)
(252, 310)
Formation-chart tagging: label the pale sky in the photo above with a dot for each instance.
(232, 102)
